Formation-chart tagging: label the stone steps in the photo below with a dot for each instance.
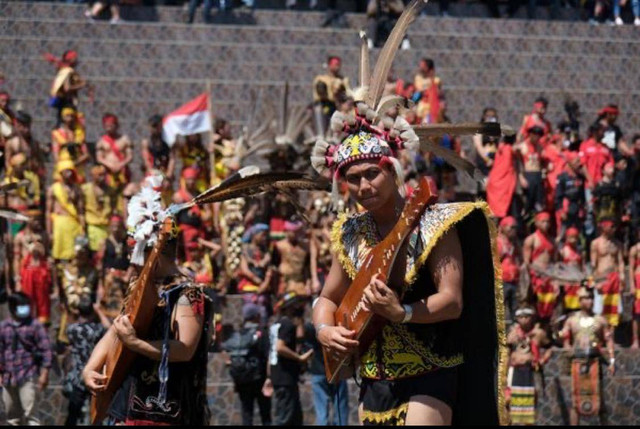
(319, 36)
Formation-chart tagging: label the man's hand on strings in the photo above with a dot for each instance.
(338, 341)
(125, 330)
(94, 381)
(383, 301)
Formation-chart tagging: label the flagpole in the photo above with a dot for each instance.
(212, 155)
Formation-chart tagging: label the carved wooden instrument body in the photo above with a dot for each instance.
(140, 306)
(351, 314)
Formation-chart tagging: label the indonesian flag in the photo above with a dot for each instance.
(191, 118)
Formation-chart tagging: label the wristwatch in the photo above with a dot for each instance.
(408, 313)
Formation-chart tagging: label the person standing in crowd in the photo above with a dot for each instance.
(114, 266)
(191, 222)
(571, 256)
(68, 141)
(634, 289)
(115, 151)
(510, 259)
(607, 195)
(569, 197)
(285, 362)
(83, 334)
(193, 154)
(526, 340)
(535, 119)
(156, 153)
(23, 142)
(502, 181)
(485, 146)
(248, 351)
(539, 253)
(25, 361)
(532, 170)
(608, 266)
(325, 394)
(335, 83)
(67, 83)
(36, 280)
(65, 211)
(256, 271)
(295, 261)
(428, 88)
(98, 207)
(23, 243)
(588, 335)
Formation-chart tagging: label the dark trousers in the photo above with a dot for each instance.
(534, 193)
(288, 407)
(510, 291)
(76, 402)
(249, 394)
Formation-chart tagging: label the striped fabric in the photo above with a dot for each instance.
(523, 405)
(571, 301)
(610, 292)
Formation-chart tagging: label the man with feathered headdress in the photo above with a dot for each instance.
(441, 357)
(166, 384)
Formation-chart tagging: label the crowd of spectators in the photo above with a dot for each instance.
(567, 193)
(384, 11)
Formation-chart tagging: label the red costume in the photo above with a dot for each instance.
(636, 303)
(502, 179)
(542, 286)
(189, 221)
(36, 283)
(571, 256)
(508, 254)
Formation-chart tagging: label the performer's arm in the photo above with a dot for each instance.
(92, 372)
(527, 250)
(621, 265)
(336, 338)
(632, 264)
(445, 263)
(49, 216)
(188, 329)
(146, 155)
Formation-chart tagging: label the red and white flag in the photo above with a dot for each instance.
(190, 118)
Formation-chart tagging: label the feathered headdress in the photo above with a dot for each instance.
(146, 216)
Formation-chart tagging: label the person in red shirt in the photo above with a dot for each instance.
(510, 259)
(571, 256)
(594, 154)
(535, 119)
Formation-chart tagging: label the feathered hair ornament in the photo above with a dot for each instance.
(146, 216)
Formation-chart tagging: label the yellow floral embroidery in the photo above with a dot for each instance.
(396, 415)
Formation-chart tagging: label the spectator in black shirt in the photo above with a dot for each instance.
(248, 351)
(607, 195)
(613, 135)
(285, 361)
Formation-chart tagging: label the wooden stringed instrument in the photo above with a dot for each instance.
(351, 314)
(140, 305)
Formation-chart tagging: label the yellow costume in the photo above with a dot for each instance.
(97, 212)
(66, 227)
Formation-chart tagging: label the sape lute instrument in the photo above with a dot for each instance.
(120, 358)
(142, 298)
(351, 313)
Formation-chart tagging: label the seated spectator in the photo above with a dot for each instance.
(114, 274)
(98, 7)
(502, 180)
(635, 7)
(294, 258)
(24, 241)
(25, 361)
(535, 119)
(531, 177)
(607, 262)
(427, 88)
(571, 256)
(569, 196)
(607, 195)
(191, 222)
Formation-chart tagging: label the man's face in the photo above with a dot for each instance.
(110, 127)
(534, 138)
(510, 231)
(190, 183)
(370, 184)
(572, 240)
(543, 225)
(586, 303)
(525, 321)
(260, 238)
(155, 130)
(608, 170)
(35, 224)
(68, 119)
(334, 66)
(99, 177)
(67, 176)
(4, 102)
(21, 128)
(116, 228)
